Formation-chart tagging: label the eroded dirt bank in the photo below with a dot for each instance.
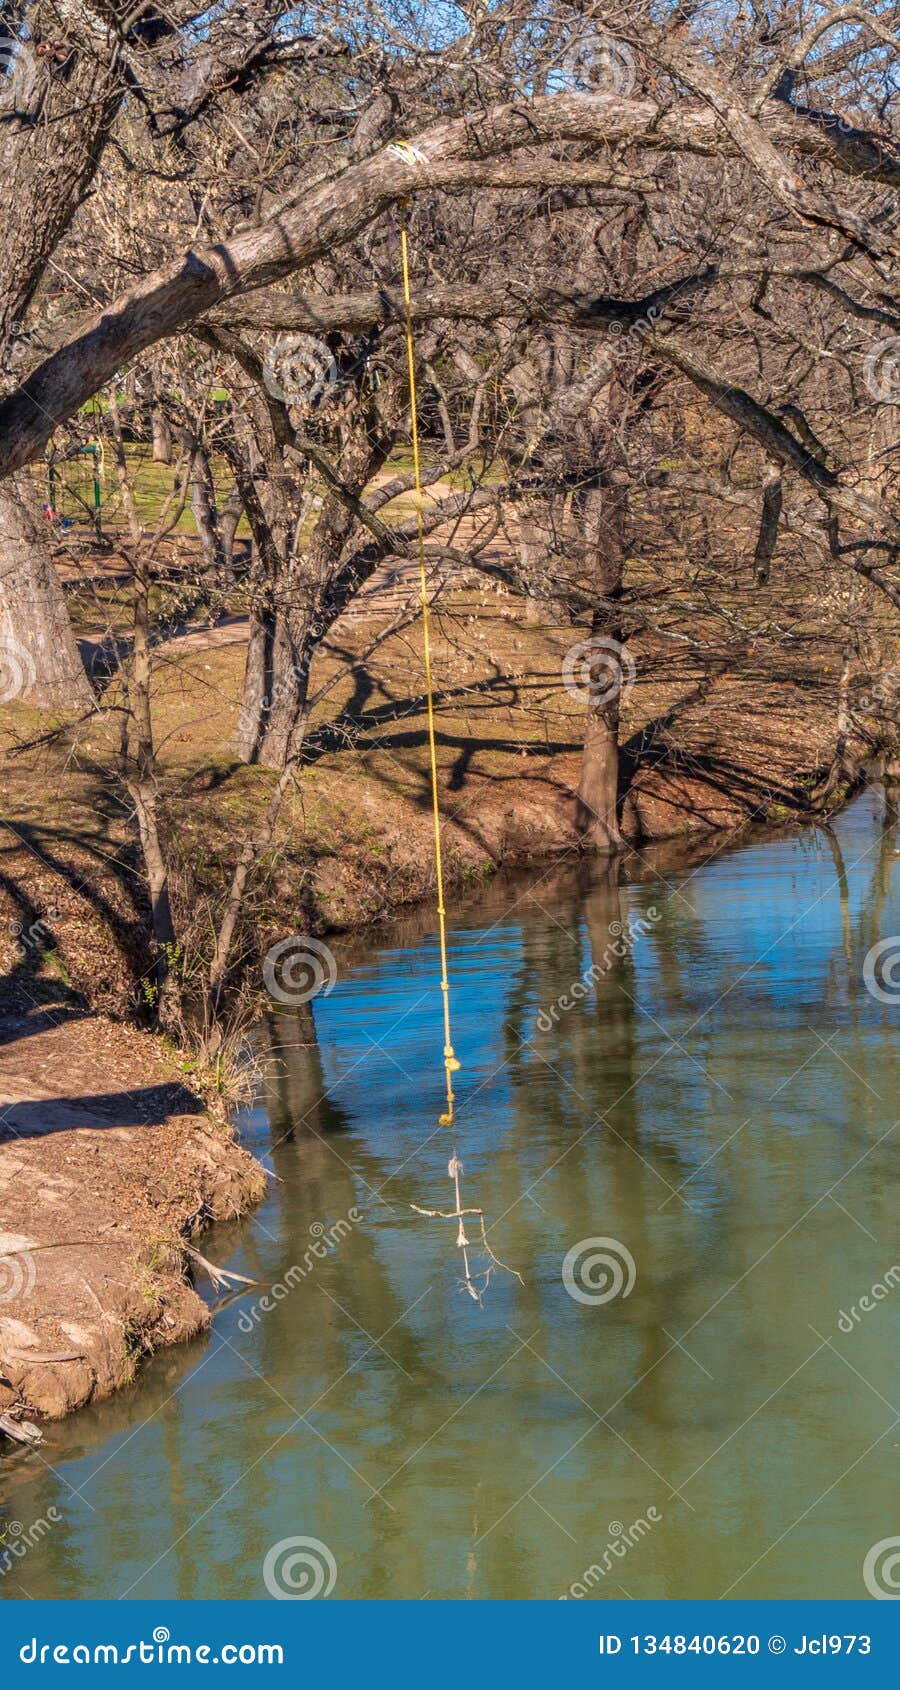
(106, 1170)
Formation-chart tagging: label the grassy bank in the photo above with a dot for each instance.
(701, 751)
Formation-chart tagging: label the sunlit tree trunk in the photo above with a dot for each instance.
(161, 437)
(39, 659)
(203, 507)
(540, 525)
(602, 513)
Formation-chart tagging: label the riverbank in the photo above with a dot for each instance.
(723, 1079)
(107, 1169)
(107, 1163)
(703, 750)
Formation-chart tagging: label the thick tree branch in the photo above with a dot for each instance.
(776, 440)
(331, 212)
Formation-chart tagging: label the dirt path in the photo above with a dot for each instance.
(392, 590)
(106, 1169)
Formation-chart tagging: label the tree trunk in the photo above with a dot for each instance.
(229, 517)
(286, 704)
(250, 851)
(257, 684)
(263, 492)
(139, 750)
(540, 526)
(596, 806)
(290, 614)
(203, 507)
(39, 659)
(770, 516)
(161, 436)
(142, 783)
(597, 802)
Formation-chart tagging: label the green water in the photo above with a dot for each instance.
(720, 1103)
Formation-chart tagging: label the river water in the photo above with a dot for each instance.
(699, 1405)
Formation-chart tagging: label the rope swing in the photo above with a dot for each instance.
(451, 1064)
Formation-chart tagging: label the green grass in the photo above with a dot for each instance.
(152, 485)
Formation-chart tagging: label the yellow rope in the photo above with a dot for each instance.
(450, 1063)
(451, 1066)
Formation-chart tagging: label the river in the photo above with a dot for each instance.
(689, 1069)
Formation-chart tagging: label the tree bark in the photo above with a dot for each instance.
(39, 659)
(257, 682)
(459, 152)
(229, 517)
(770, 516)
(203, 507)
(161, 436)
(142, 780)
(596, 808)
(250, 851)
(540, 528)
(291, 594)
(139, 750)
(284, 692)
(265, 502)
(597, 801)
